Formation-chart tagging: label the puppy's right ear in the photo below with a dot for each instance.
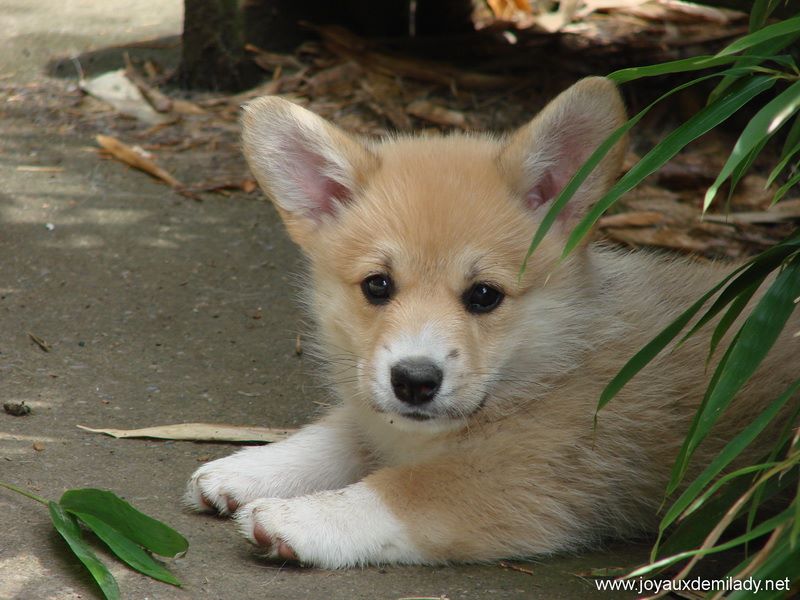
(306, 165)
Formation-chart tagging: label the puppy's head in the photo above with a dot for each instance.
(416, 246)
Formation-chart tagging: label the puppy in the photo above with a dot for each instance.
(465, 430)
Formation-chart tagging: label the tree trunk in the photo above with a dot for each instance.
(215, 31)
(213, 47)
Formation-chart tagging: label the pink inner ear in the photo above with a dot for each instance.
(546, 189)
(322, 193)
(569, 154)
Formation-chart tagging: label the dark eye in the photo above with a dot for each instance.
(377, 288)
(482, 298)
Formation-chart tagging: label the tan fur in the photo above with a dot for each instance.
(526, 473)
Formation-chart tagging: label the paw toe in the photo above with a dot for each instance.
(286, 552)
(261, 537)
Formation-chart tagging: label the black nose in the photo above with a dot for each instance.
(416, 381)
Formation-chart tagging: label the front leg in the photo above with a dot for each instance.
(321, 456)
(465, 508)
(331, 529)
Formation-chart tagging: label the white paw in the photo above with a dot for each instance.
(318, 457)
(331, 529)
(224, 485)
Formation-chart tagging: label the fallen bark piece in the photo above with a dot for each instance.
(157, 100)
(663, 237)
(200, 432)
(428, 111)
(45, 346)
(633, 219)
(132, 158)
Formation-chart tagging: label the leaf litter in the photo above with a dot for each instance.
(493, 79)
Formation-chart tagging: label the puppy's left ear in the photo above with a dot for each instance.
(541, 157)
(308, 167)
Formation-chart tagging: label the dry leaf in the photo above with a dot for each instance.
(184, 107)
(39, 169)
(157, 100)
(200, 432)
(336, 80)
(131, 157)
(116, 89)
(269, 61)
(39, 342)
(663, 237)
(434, 113)
(353, 47)
(633, 219)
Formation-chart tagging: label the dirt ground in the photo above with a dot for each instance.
(157, 309)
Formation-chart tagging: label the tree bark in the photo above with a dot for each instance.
(213, 47)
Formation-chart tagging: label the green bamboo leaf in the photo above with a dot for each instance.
(687, 502)
(770, 32)
(760, 53)
(753, 341)
(657, 344)
(759, 14)
(780, 565)
(128, 551)
(583, 172)
(752, 273)
(136, 526)
(793, 137)
(690, 531)
(730, 316)
(764, 124)
(66, 526)
(795, 532)
(744, 167)
(787, 156)
(780, 444)
(793, 181)
(681, 461)
(675, 66)
(760, 530)
(702, 122)
(755, 271)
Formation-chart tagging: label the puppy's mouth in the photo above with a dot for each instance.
(417, 416)
(420, 416)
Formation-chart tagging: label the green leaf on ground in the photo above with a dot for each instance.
(70, 531)
(129, 522)
(128, 551)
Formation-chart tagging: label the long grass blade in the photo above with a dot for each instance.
(657, 344)
(702, 122)
(752, 343)
(686, 502)
(583, 172)
(763, 125)
(776, 30)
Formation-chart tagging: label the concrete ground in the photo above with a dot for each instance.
(158, 310)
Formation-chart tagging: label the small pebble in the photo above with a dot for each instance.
(17, 409)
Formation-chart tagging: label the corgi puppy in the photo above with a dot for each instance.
(465, 430)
